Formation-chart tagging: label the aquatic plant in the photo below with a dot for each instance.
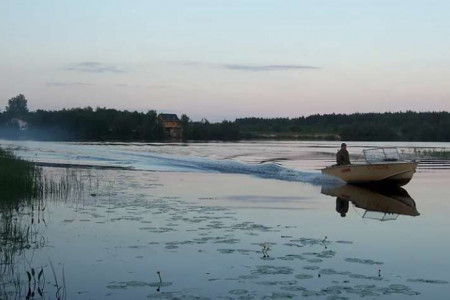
(443, 153)
(265, 250)
(60, 288)
(324, 242)
(160, 281)
(24, 180)
(25, 189)
(18, 178)
(40, 283)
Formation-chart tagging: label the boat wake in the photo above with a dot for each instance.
(268, 170)
(100, 156)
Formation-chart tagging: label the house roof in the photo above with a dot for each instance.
(168, 117)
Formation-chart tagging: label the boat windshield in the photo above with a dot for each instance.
(381, 155)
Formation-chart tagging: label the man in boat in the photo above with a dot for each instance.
(342, 157)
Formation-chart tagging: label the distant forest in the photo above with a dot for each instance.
(398, 126)
(102, 124)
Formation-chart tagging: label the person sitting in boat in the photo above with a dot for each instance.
(342, 157)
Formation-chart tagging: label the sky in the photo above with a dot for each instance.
(229, 58)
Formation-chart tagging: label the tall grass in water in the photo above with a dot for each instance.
(19, 179)
(24, 191)
(22, 180)
(442, 153)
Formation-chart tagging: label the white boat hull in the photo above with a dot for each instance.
(398, 173)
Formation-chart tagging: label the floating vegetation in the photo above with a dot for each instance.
(175, 295)
(217, 240)
(226, 251)
(248, 277)
(304, 276)
(250, 226)
(314, 260)
(272, 270)
(122, 285)
(363, 261)
(428, 281)
(293, 288)
(311, 268)
(292, 257)
(155, 230)
(238, 292)
(308, 241)
(361, 276)
(273, 283)
(349, 274)
(333, 272)
(361, 290)
(326, 254)
(279, 296)
(344, 242)
(335, 297)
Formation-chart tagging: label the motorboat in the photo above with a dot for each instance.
(380, 203)
(382, 165)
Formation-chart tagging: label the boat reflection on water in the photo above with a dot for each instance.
(381, 203)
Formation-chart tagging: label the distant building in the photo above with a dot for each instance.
(171, 124)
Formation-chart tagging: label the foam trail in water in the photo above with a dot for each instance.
(266, 170)
(106, 156)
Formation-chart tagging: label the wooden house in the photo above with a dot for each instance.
(171, 124)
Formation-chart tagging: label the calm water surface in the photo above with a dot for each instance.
(225, 220)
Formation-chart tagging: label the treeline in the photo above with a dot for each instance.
(102, 124)
(85, 124)
(204, 131)
(398, 126)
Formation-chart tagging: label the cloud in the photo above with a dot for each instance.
(93, 67)
(154, 86)
(263, 68)
(57, 83)
(122, 85)
(249, 67)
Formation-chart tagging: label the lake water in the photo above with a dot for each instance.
(246, 220)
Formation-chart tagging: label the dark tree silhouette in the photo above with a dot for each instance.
(17, 106)
(103, 124)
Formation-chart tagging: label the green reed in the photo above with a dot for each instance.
(443, 153)
(22, 180)
(19, 179)
(25, 189)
